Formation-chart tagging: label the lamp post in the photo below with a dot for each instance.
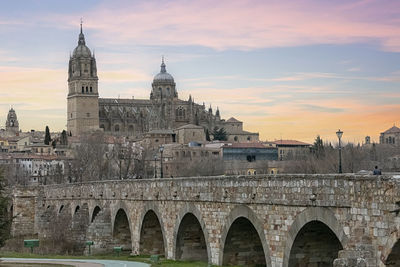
(155, 166)
(161, 162)
(339, 134)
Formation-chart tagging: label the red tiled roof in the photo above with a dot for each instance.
(245, 145)
(290, 142)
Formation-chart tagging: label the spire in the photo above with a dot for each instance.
(190, 98)
(163, 69)
(81, 36)
(217, 112)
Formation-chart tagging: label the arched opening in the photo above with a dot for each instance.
(243, 245)
(394, 257)
(151, 236)
(116, 128)
(76, 209)
(61, 208)
(315, 245)
(190, 241)
(121, 231)
(95, 213)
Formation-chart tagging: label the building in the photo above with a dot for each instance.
(135, 117)
(390, 136)
(290, 148)
(247, 158)
(12, 125)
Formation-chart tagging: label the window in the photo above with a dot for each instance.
(235, 138)
(116, 128)
(83, 89)
(251, 158)
(71, 115)
(180, 113)
(130, 128)
(102, 126)
(91, 89)
(87, 89)
(248, 138)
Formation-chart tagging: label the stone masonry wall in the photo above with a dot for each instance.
(357, 209)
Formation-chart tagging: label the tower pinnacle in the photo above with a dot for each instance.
(81, 40)
(163, 69)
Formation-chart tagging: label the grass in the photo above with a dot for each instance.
(14, 264)
(123, 257)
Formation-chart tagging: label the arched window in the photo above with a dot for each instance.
(91, 89)
(83, 89)
(248, 138)
(130, 128)
(87, 89)
(180, 113)
(235, 138)
(116, 128)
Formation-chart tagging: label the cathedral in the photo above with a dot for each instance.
(135, 117)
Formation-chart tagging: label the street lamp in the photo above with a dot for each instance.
(161, 162)
(155, 166)
(339, 134)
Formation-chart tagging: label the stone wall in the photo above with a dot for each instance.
(286, 212)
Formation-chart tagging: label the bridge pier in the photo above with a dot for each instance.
(274, 221)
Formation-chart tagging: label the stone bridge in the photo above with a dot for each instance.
(279, 220)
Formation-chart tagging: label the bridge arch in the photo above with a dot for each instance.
(312, 220)
(121, 228)
(152, 234)
(243, 216)
(190, 222)
(94, 213)
(391, 253)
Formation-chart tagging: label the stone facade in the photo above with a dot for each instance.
(12, 124)
(135, 117)
(82, 100)
(278, 220)
(390, 136)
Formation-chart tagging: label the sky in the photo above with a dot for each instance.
(287, 69)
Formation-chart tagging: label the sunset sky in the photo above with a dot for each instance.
(287, 69)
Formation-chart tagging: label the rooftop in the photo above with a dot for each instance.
(394, 129)
(290, 142)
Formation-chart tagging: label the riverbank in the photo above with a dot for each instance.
(107, 257)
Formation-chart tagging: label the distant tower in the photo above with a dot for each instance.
(12, 125)
(83, 96)
(367, 140)
(163, 85)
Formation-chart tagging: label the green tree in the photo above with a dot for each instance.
(208, 135)
(5, 219)
(220, 134)
(63, 138)
(47, 138)
(318, 147)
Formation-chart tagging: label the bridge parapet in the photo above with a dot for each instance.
(356, 209)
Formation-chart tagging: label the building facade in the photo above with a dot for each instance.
(12, 125)
(135, 117)
(390, 136)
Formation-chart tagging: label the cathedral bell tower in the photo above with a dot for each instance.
(83, 96)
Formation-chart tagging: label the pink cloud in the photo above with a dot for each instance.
(246, 24)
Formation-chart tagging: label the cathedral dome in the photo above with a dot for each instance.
(163, 76)
(81, 50)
